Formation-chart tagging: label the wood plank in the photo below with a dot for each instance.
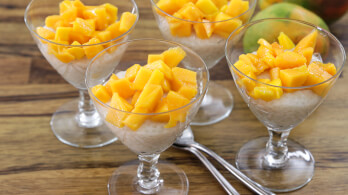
(14, 70)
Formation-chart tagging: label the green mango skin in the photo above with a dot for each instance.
(279, 10)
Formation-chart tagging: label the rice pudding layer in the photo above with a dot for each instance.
(286, 112)
(211, 50)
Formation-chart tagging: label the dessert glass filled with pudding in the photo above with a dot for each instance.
(147, 98)
(69, 33)
(204, 26)
(283, 69)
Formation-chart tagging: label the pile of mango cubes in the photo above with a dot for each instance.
(159, 86)
(204, 11)
(288, 65)
(78, 24)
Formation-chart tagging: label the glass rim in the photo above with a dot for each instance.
(252, 6)
(136, 12)
(147, 114)
(247, 25)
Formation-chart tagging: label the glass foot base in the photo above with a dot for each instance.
(296, 173)
(216, 105)
(65, 127)
(123, 180)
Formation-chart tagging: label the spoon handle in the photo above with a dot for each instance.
(222, 180)
(233, 170)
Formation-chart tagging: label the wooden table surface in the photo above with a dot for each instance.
(33, 161)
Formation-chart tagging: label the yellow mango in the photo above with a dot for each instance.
(183, 76)
(179, 28)
(220, 3)
(174, 101)
(63, 34)
(317, 75)
(161, 107)
(149, 97)
(224, 29)
(166, 86)
(274, 72)
(103, 36)
(285, 41)
(65, 5)
(294, 77)
(99, 14)
(156, 78)
(245, 68)
(65, 56)
(101, 93)
(132, 71)
(77, 36)
(253, 58)
(188, 91)
(154, 57)
(84, 27)
(308, 41)
(45, 33)
(51, 21)
(261, 66)
(237, 7)
(107, 85)
(122, 87)
(265, 43)
(78, 52)
(278, 91)
(200, 31)
(269, 60)
(70, 14)
(190, 12)
(141, 78)
(329, 67)
(134, 121)
(114, 30)
(247, 83)
(127, 21)
(263, 50)
(277, 49)
(135, 97)
(173, 56)
(307, 53)
(160, 65)
(264, 92)
(116, 117)
(92, 51)
(207, 7)
(55, 48)
(289, 59)
(111, 11)
(170, 6)
(208, 27)
(80, 8)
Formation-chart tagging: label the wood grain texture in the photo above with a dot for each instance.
(33, 161)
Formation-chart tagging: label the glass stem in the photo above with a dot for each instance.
(148, 181)
(87, 115)
(276, 149)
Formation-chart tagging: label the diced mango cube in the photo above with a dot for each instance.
(245, 68)
(166, 86)
(65, 5)
(84, 27)
(160, 65)
(237, 7)
(294, 77)
(224, 29)
(178, 27)
(111, 11)
(170, 6)
(183, 76)
(263, 50)
(156, 78)
(190, 12)
(246, 82)
(285, 41)
(127, 21)
(200, 31)
(107, 85)
(65, 56)
(132, 71)
(161, 107)
(141, 78)
(207, 7)
(317, 75)
(51, 21)
(307, 53)
(45, 33)
(101, 93)
(289, 59)
(55, 48)
(277, 49)
(134, 121)
(70, 14)
(116, 117)
(277, 90)
(329, 67)
(78, 52)
(122, 87)
(264, 92)
(63, 34)
(92, 51)
(269, 59)
(104, 36)
(188, 91)
(99, 14)
(154, 57)
(175, 101)
(77, 36)
(149, 97)
(173, 56)
(274, 72)
(114, 30)
(220, 3)
(309, 40)
(208, 27)
(135, 97)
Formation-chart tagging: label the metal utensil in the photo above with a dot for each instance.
(187, 140)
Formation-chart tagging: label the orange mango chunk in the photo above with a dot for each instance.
(63, 34)
(132, 71)
(149, 97)
(224, 29)
(84, 27)
(103, 36)
(122, 87)
(100, 16)
(51, 21)
(166, 86)
(92, 51)
(111, 11)
(188, 91)
(200, 31)
(294, 77)
(141, 78)
(127, 20)
(156, 78)
(135, 97)
(114, 30)
(174, 101)
(183, 76)
(77, 36)
(154, 57)
(277, 49)
(317, 75)
(246, 82)
(285, 41)
(173, 56)
(107, 85)
(264, 92)
(160, 65)
(161, 107)
(116, 117)
(274, 72)
(78, 52)
(45, 33)
(207, 7)
(65, 56)
(65, 5)
(170, 6)
(134, 121)
(237, 7)
(101, 93)
(278, 90)
(308, 41)
(329, 67)
(220, 3)
(244, 67)
(178, 27)
(190, 12)
(307, 53)
(70, 14)
(290, 59)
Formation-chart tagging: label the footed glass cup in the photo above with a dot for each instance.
(218, 102)
(151, 138)
(76, 123)
(277, 162)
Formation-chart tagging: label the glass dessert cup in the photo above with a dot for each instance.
(151, 138)
(218, 102)
(283, 165)
(76, 122)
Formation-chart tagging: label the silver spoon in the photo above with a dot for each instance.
(187, 140)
